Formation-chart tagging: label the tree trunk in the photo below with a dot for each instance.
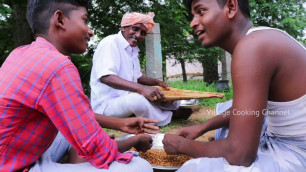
(183, 70)
(210, 69)
(21, 31)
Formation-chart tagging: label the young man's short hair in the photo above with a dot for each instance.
(243, 5)
(40, 11)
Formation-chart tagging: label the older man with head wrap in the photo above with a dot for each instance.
(118, 87)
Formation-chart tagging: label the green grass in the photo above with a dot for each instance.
(202, 120)
(116, 132)
(172, 125)
(199, 85)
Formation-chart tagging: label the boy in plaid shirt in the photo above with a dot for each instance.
(41, 94)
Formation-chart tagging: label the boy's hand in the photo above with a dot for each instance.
(137, 125)
(144, 142)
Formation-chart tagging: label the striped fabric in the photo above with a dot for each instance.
(41, 93)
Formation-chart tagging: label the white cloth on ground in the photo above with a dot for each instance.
(274, 153)
(49, 161)
(114, 56)
(137, 104)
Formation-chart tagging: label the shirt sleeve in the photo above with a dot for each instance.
(106, 60)
(137, 71)
(65, 103)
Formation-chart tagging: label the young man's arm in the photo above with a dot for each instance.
(216, 122)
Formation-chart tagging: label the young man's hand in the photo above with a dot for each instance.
(172, 143)
(137, 125)
(191, 132)
(144, 142)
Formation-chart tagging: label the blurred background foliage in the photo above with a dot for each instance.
(177, 39)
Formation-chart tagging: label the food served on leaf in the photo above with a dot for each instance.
(159, 157)
(181, 94)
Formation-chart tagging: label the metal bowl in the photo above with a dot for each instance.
(157, 139)
(191, 102)
(157, 144)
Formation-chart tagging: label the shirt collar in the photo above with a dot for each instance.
(42, 42)
(125, 44)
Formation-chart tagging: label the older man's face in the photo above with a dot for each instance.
(134, 34)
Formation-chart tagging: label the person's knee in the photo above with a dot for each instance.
(142, 165)
(138, 103)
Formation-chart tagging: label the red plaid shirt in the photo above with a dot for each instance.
(41, 93)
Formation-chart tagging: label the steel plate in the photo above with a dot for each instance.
(191, 102)
(157, 144)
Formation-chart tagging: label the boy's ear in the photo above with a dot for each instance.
(232, 8)
(59, 19)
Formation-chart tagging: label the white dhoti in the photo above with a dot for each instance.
(49, 161)
(281, 154)
(134, 103)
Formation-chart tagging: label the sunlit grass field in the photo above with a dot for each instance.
(199, 85)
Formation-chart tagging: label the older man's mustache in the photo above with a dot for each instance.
(135, 38)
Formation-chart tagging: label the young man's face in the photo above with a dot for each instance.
(208, 22)
(134, 34)
(78, 32)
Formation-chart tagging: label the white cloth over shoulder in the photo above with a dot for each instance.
(281, 154)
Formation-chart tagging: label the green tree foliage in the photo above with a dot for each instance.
(14, 28)
(288, 15)
(84, 64)
(174, 25)
(105, 18)
(106, 15)
(178, 40)
(6, 39)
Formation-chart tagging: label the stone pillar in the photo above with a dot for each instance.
(226, 65)
(154, 54)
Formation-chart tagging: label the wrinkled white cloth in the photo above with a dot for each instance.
(49, 161)
(275, 153)
(114, 56)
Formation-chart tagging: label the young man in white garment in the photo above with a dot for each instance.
(267, 118)
(118, 87)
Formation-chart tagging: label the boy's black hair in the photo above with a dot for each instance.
(39, 12)
(243, 5)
